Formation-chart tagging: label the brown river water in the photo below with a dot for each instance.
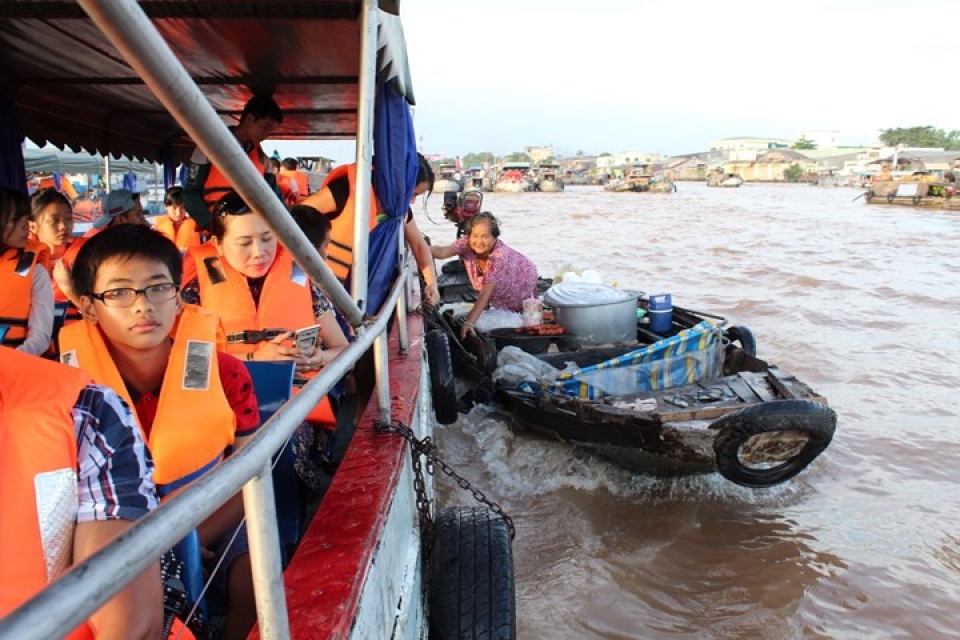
(860, 302)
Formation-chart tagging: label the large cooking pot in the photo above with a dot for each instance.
(594, 313)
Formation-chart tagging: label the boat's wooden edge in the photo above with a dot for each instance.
(341, 541)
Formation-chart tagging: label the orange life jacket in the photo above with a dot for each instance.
(300, 178)
(38, 473)
(194, 422)
(185, 236)
(340, 252)
(16, 282)
(217, 185)
(285, 304)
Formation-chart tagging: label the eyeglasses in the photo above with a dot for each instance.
(124, 297)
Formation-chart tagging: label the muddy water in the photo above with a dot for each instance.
(859, 301)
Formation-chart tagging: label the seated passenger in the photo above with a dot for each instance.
(55, 424)
(193, 403)
(503, 277)
(52, 224)
(246, 277)
(26, 295)
(175, 224)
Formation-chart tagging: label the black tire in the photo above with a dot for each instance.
(816, 420)
(744, 336)
(472, 593)
(442, 384)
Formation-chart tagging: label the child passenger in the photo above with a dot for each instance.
(175, 224)
(26, 296)
(52, 225)
(193, 403)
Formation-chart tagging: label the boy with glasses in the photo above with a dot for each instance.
(193, 403)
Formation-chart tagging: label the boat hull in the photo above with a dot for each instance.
(512, 186)
(444, 186)
(365, 537)
(551, 186)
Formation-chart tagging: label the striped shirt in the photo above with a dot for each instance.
(115, 468)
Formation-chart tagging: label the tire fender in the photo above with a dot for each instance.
(816, 420)
(442, 385)
(472, 593)
(744, 336)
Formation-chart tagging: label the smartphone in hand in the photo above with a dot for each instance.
(306, 339)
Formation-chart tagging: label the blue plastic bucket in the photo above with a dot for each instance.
(661, 313)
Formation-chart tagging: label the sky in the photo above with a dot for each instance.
(671, 77)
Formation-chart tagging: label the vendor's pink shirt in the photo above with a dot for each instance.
(514, 273)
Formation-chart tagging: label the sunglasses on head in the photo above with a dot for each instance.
(232, 205)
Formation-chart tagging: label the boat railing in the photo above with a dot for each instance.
(87, 586)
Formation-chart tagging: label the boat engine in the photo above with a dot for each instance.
(461, 208)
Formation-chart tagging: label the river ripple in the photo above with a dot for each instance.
(857, 300)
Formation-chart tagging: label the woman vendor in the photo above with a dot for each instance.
(503, 277)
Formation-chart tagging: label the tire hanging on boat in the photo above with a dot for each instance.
(472, 592)
(744, 336)
(442, 384)
(814, 420)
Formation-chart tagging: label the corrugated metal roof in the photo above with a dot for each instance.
(73, 88)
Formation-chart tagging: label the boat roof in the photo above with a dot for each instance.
(73, 88)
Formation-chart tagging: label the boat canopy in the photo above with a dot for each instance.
(68, 85)
(53, 161)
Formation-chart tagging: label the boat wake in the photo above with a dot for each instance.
(512, 466)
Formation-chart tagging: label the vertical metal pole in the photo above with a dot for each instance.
(382, 367)
(106, 171)
(265, 561)
(401, 309)
(368, 77)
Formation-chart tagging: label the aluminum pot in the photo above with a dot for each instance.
(594, 313)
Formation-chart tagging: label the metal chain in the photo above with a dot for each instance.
(428, 449)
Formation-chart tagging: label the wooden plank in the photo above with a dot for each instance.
(789, 387)
(759, 384)
(743, 390)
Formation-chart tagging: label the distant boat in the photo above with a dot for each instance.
(550, 180)
(642, 183)
(448, 179)
(477, 179)
(514, 177)
(717, 178)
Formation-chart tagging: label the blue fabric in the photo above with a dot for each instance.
(395, 158)
(130, 181)
(169, 166)
(12, 172)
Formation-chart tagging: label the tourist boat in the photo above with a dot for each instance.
(154, 70)
(514, 177)
(550, 180)
(477, 179)
(913, 193)
(692, 399)
(448, 179)
(718, 178)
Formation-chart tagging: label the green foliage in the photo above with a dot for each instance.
(921, 137)
(478, 159)
(579, 152)
(793, 173)
(803, 143)
(518, 156)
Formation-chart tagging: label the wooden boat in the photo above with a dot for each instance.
(723, 179)
(514, 177)
(927, 195)
(641, 183)
(448, 179)
(361, 569)
(754, 423)
(550, 180)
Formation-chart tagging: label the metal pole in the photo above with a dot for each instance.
(129, 29)
(382, 367)
(368, 77)
(265, 561)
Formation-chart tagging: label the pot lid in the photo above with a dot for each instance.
(582, 294)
